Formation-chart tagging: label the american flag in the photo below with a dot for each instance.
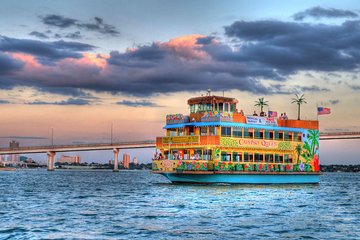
(272, 114)
(322, 110)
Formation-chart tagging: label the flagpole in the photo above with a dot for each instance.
(317, 112)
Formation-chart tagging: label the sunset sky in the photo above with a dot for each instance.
(79, 66)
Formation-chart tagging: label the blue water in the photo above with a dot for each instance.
(36, 204)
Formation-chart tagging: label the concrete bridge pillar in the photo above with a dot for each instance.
(116, 159)
(51, 160)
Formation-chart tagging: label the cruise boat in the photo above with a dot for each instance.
(216, 143)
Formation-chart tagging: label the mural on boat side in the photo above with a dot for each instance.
(308, 153)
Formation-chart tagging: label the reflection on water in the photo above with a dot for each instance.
(136, 204)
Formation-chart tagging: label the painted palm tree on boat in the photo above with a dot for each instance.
(314, 140)
(298, 150)
(261, 103)
(299, 100)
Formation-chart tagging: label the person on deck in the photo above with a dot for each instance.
(285, 116)
(255, 114)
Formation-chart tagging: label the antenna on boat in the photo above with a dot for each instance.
(223, 93)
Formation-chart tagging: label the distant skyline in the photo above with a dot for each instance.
(80, 66)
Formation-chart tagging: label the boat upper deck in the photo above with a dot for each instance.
(222, 111)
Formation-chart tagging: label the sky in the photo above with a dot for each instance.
(78, 67)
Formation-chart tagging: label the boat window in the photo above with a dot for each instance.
(269, 158)
(226, 131)
(299, 137)
(286, 136)
(237, 132)
(175, 155)
(287, 158)
(181, 132)
(271, 135)
(203, 131)
(232, 107)
(221, 107)
(251, 133)
(290, 136)
(248, 157)
(196, 107)
(237, 157)
(191, 108)
(209, 107)
(172, 132)
(279, 158)
(197, 155)
(166, 154)
(212, 130)
(191, 130)
(258, 157)
(226, 107)
(186, 154)
(240, 157)
(207, 154)
(258, 134)
(225, 156)
(281, 136)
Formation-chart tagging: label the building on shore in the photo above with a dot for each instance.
(69, 159)
(126, 161)
(14, 159)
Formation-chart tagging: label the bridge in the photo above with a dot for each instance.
(51, 150)
(339, 135)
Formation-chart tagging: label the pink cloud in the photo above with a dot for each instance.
(186, 46)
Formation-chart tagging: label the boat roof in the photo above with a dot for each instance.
(211, 99)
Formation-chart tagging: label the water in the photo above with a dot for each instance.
(36, 204)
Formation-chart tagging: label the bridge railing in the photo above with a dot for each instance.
(49, 147)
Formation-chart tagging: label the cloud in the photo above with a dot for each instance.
(284, 48)
(38, 34)
(58, 21)
(312, 89)
(74, 35)
(353, 86)
(8, 64)
(98, 24)
(253, 53)
(44, 51)
(70, 101)
(205, 40)
(143, 56)
(4, 101)
(334, 102)
(142, 103)
(319, 12)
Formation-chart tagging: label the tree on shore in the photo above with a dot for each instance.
(299, 100)
(261, 103)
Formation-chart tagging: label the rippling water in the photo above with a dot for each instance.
(37, 204)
